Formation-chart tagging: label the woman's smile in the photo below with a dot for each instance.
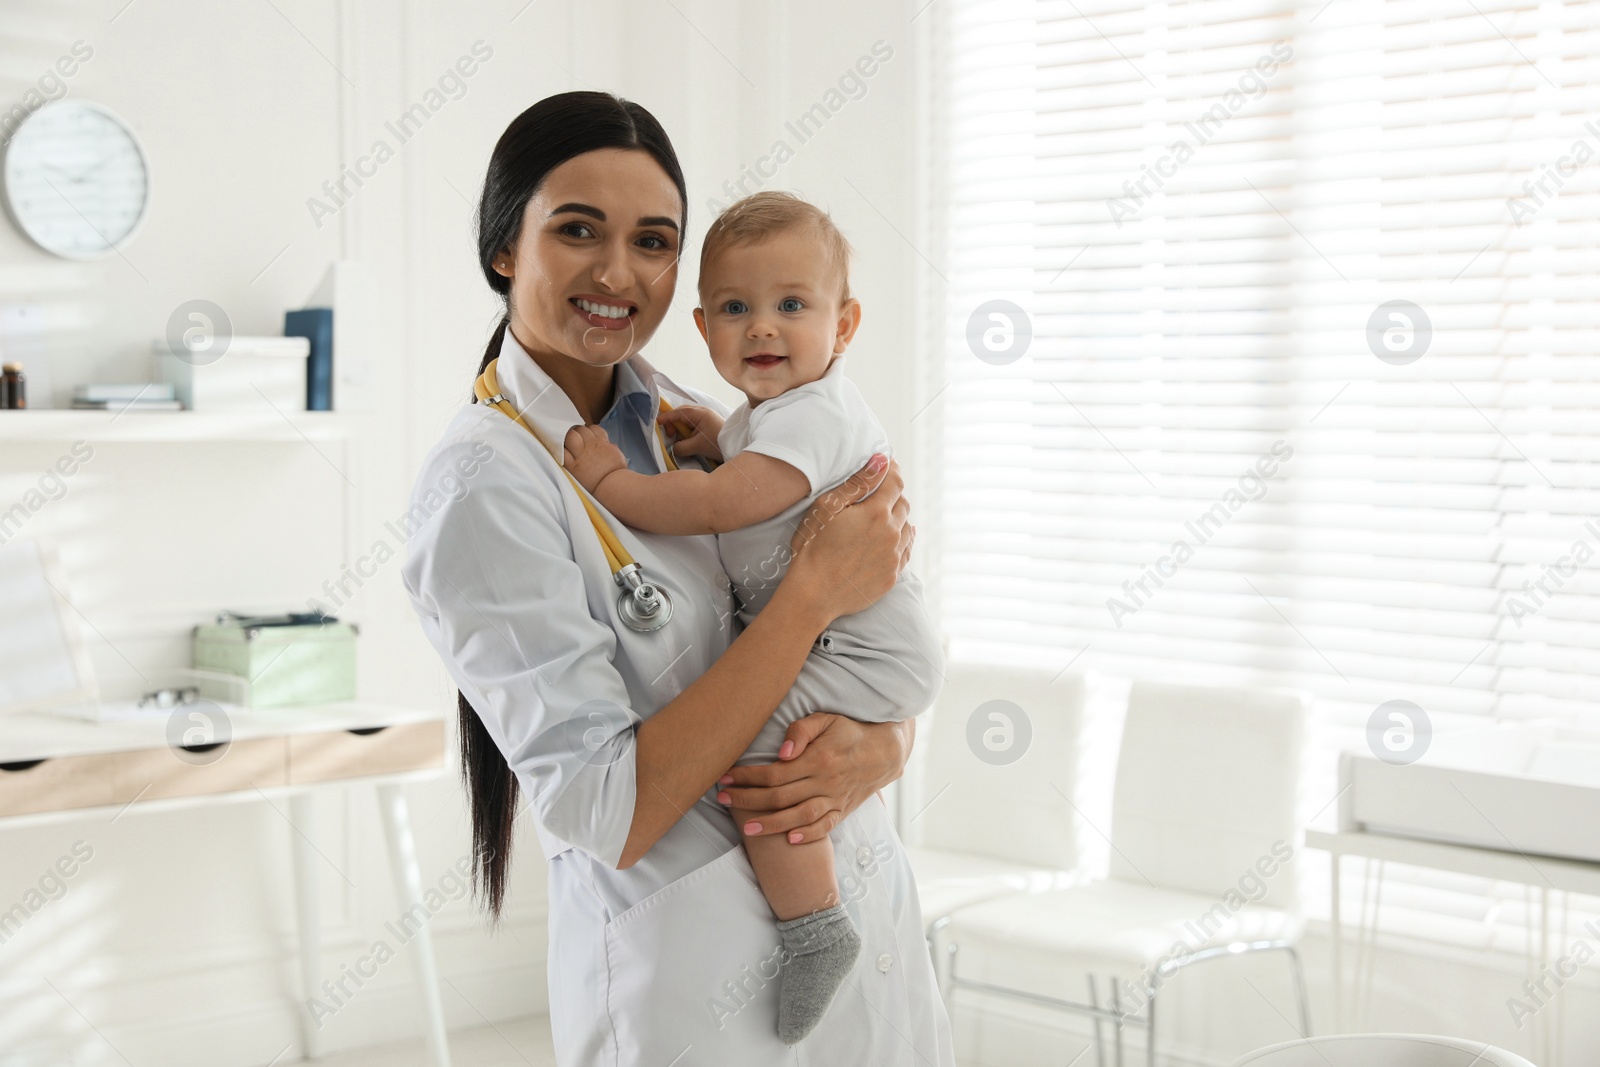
(605, 313)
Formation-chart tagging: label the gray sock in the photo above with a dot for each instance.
(821, 949)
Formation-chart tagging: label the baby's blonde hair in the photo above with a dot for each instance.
(763, 215)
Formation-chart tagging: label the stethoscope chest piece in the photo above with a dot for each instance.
(643, 606)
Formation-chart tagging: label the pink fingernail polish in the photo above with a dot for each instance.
(795, 837)
(786, 750)
(752, 828)
(723, 798)
(726, 779)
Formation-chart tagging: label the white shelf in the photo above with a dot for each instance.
(27, 736)
(176, 426)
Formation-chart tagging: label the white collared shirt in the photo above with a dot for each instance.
(514, 592)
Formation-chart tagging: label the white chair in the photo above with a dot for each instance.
(994, 816)
(1203, 834)
(1382, 1050)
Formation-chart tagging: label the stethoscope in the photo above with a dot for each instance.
(644, 606)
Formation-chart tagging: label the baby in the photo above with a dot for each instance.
(777, 316)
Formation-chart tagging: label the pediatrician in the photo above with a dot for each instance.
(603, 680)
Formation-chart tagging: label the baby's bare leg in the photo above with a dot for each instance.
(820, 945)
(797, 880)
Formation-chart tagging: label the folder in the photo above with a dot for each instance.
(316, 326)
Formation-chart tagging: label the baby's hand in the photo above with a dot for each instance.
(696, 429)
(589, 454)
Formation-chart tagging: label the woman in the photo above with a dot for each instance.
(621, 739)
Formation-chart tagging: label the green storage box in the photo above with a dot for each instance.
(284, 664)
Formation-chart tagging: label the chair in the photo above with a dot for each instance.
(977, 823)
(1203, 834)
(1382, 1050)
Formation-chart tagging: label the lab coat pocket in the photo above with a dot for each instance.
(692, 972)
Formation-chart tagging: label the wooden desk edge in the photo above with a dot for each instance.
(8, 822)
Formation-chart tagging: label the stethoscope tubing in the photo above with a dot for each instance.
(643, 606)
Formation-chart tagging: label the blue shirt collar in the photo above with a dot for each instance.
(631, 421)
(631, 392)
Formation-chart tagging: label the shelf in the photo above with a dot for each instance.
(176, 426)
(26, 736)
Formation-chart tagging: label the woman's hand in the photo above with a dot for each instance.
(826, 769)
(851, 547)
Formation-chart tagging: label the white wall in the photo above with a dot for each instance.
(176, 943)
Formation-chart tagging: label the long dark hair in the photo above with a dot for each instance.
(549, 133)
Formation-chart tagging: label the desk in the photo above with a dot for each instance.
(56, 768)
(1542, 872)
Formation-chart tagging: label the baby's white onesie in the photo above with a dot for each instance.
(880, 665)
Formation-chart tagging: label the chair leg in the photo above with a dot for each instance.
(1150, 1031)
(1116, 1006)
(1099, 1038)
(1300, 990)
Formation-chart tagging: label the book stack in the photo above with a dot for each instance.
(316, 326)
(133, 396)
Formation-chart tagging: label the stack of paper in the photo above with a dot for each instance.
(135, 396)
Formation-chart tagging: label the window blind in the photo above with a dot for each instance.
(1270, 347)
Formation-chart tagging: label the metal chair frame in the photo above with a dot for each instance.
(951, 981)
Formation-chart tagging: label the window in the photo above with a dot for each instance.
(1272, 347)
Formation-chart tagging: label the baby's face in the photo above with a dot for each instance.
(773, 318)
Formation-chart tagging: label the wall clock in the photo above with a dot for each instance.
(77, 181)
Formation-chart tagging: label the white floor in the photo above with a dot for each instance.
(526, 1043)
(523, 1043)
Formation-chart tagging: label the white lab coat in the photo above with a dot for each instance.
(676, 956)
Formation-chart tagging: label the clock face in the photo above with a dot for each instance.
(76, 180)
